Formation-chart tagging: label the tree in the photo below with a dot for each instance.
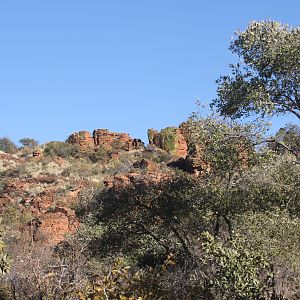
(144, 221)
(7, 145)
(246, 187)
(267, 78)
(29, 142)
(288, 136)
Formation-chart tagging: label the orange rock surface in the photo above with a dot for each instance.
(171, 139)
(106, 139)
(81, 138)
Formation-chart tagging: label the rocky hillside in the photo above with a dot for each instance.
(40, 188)
(102, 214)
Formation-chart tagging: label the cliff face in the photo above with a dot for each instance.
(171, 139)
(106, 139)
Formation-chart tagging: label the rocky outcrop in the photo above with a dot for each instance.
(114, 140)
(40, 199)
(81, 138)
(104, 138)
(171, 139)
(177, 141)
(37, 153)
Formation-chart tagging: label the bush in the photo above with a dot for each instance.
(100, 155)
(236, 272)
(7, 145)
(157, 155)
(61, 149)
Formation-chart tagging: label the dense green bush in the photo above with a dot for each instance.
(62, 149)
(100, 155)
(235, 271)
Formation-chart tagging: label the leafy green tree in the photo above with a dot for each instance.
(227, 146)
(267, 78)
(287, 139)
(29, 142)
(274, 232)
(7, 145)
(144, 221)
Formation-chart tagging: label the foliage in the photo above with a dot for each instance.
(267, 78)
(237, 270)
(156, 155)
(39, 272)
(7, 145)
(100, 155)
(144, 221)
(274, 233)
(62, 149)
(118, 282)
(12, 215)
(227, 146)
(287, 139)
(168, 139)
(5, 260)
(29, 142)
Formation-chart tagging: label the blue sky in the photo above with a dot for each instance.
(127, 65)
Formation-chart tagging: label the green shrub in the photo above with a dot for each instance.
(157, 155)
(168, 139)
(61, 149)
(100, 155)
(236, 272)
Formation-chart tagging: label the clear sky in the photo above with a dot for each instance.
(126, 65)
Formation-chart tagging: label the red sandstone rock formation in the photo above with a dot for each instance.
(50, 222)
(106, 139)
(81, 138)
(171, 139)
(181, 142)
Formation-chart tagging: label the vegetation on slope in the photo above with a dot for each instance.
(230, 233)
